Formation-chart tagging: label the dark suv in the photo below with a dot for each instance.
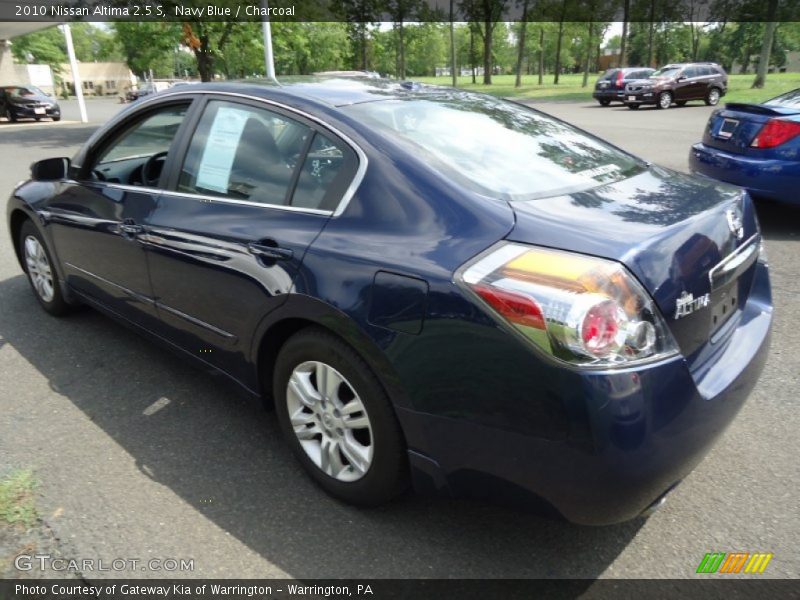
(678, 83)
(611, 85)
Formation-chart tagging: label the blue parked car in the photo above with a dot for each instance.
(431, 287)
(756, 146)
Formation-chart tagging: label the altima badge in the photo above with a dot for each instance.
(735, 223)
(687, 304)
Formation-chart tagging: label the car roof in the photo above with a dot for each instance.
(330, 91)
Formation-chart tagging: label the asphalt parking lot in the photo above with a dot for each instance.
(208, 477)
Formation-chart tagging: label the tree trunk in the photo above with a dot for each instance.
(521, 53)
(453, 47)
(558, 50)
(472, 52)
(766, 45)
(650, 34)
(401, 52)
(588, 55)
(363, 47)
(487, 49)
(541, 55)
(623, 43)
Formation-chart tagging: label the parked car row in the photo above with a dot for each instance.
(676, 83)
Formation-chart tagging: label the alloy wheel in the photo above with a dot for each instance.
(713, 97)
(39, 269)
(665, 100)
(330, 421)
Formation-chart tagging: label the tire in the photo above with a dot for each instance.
(379, 472)
(38, 265)
(12, 117)
(681, 102)
(604, 102)
(56, 118)
(712, 97)
(633, 106)
(664, 100)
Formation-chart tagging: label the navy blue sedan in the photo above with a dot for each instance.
(431, 287)
(756, 146)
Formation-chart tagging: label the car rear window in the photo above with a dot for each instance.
(788, 99)
(497, 148)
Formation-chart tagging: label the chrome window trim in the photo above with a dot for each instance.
(346, 197)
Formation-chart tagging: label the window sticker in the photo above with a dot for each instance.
(223, 140)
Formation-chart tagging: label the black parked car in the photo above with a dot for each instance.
(27, 102)
(679, 83)
(611, 85)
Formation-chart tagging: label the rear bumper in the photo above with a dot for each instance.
(774, 179)
(633, 434)
(611, 94)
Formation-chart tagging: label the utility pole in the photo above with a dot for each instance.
(266, 30)
(76, 78)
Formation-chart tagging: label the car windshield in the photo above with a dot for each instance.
(21, 92)
(495, 147)
(791, 99)
(665, 72)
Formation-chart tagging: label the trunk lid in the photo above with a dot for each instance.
(672, 231)
(734, 127)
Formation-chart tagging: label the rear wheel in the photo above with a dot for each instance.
(38, 265)
(681, 103)
(604, 102)
(712, 97)
(338, 420)
(664, 100)
(633, 106)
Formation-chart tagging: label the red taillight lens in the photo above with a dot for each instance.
(775, 133)
(517, 308)
(600, 328)
(620, 78)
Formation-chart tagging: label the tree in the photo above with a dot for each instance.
(359, 15)
(559, 39)
(484, 14)
(623, 47)
(402, 11)
(147, 45)
(766, 45)
(521, 42)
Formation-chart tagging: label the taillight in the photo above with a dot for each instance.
(775, 133)
(620, 78)
(576, 308)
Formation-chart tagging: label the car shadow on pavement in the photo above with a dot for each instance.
(224, 456)
(778, 221)
(44, 137)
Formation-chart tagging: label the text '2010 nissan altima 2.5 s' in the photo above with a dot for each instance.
(433, 287)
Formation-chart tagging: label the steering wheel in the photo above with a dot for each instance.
(151, 170)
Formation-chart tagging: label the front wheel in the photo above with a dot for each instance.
(338, 419)
(664, 100)
(633, 106)
(38, 266)
(604, 102)
(713, 96)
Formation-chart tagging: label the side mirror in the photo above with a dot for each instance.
(50, 169)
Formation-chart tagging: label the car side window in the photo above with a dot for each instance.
(243, 153)
(327, 170)
(690, 72)
(146, 142)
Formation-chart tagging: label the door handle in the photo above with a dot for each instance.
(128, 227)
(270, 252)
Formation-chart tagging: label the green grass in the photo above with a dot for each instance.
(17, 502)
(569, 87)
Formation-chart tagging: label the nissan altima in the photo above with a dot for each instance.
(434, 288)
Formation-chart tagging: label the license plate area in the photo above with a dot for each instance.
(724, 303)
(38, 111)
(631, 98)
(727, 128)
